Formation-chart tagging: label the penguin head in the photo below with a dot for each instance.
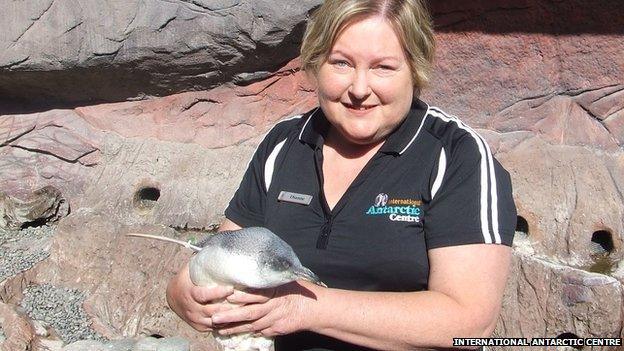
(283, 268)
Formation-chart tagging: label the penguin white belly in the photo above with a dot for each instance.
(223, 268)
(245, 342)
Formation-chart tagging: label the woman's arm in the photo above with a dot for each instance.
(466, 284)
(193, 303)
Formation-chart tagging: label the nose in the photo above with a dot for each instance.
(360, 87)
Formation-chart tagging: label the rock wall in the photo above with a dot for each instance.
(144, 114)
(63, 51)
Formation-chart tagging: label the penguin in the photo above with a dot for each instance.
(251, 257)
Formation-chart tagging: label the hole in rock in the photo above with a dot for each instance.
(146, 197)
(602, 241)
(157, 336)
(39, 222)
(522, 225)
(568, 335)
(601, 248)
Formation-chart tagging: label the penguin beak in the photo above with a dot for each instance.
(306, 274)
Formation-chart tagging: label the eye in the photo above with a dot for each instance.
(385, 67)
(340, 63)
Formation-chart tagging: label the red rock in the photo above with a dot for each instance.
(543, 299)
(478, 75)
(218, 118)
(19, 334)
(53, 148)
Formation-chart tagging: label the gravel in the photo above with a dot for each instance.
(40, 232)
(21, 250)
(61, 309)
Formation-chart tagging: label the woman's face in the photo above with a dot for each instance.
(365, 86)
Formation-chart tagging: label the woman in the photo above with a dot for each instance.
(400, 209)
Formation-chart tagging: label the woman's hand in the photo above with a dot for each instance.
(269, 312)
(195, 304)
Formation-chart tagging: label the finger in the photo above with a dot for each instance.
(200, 323)
(208, 310)
(251, 296)
(256, 327)
(238, 329)
(205, 295)
(241, 314)
(266, 332)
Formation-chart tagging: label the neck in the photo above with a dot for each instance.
(347, 149)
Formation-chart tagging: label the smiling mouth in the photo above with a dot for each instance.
(358, 107)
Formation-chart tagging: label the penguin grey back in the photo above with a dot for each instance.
(246, 241)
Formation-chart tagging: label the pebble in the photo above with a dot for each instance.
(17, 253)
(61, 309)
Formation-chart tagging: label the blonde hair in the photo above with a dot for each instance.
(410, 19)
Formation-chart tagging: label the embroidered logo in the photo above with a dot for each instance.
(398, 210)
(381, 200)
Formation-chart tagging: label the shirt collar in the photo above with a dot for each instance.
(314, 128)
(404, 135)
(316, 125)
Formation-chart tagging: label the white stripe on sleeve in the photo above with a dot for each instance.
(269, 165)
(441, 170)
(486, 183)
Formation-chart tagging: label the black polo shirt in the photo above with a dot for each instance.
(433, 183)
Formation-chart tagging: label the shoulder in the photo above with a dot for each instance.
(285, 128)
(455, 137)
(288, 128)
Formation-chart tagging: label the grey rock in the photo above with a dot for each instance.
(162, 344)
(120, 345)
(86, 345)
(114, 50)
(146, 344)
(174, 344)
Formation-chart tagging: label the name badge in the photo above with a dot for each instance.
(287, 196)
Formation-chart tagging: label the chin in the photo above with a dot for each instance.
(362, 139)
